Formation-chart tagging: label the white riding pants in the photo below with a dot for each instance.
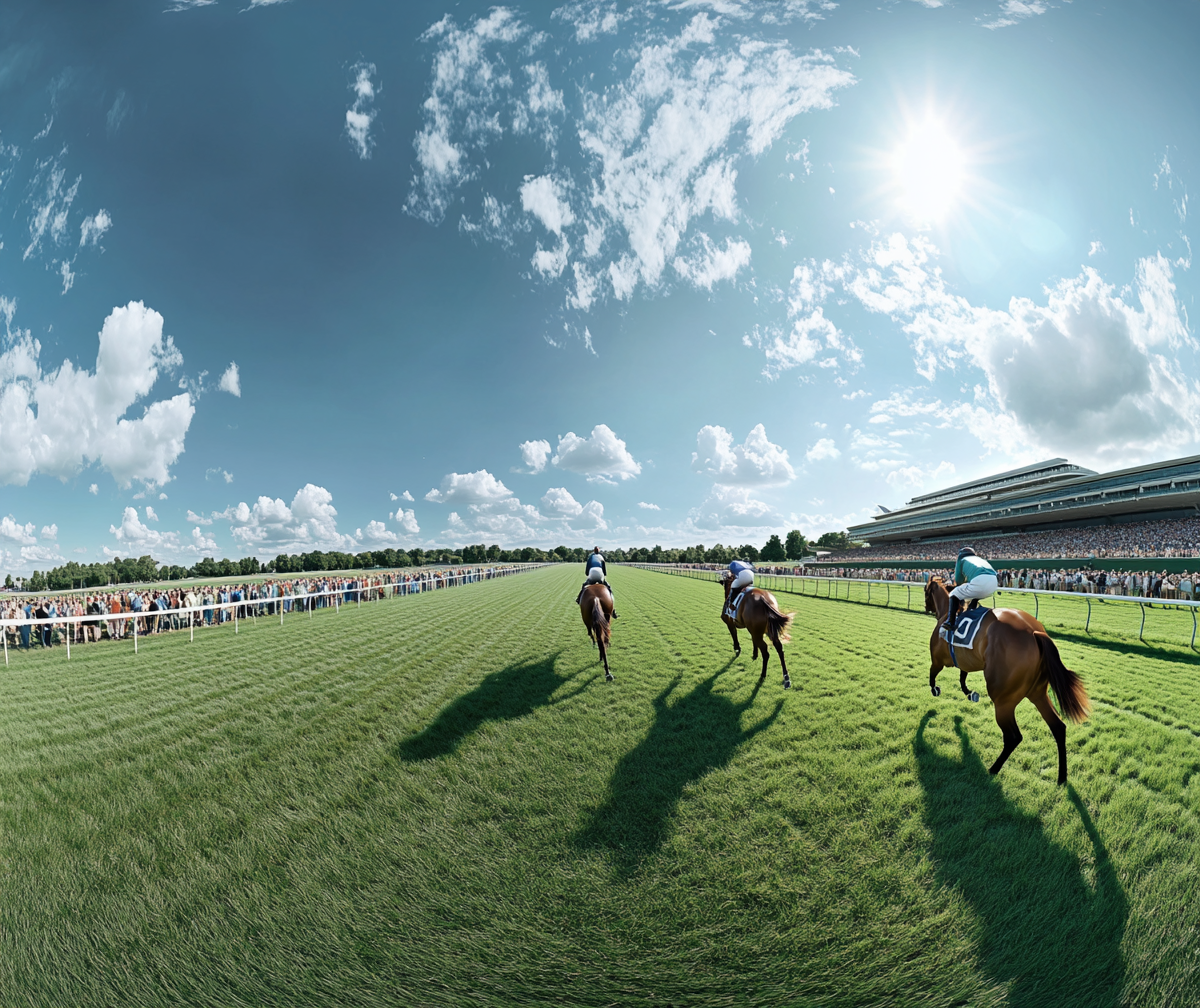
(595, 575)
(979, 587)
(744, 580)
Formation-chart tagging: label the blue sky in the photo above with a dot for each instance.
(281, 276)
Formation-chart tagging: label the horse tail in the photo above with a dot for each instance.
(1068, 687)
(777, 623)
(600, 622)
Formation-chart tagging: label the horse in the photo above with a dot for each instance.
(759, 614)
(1019, 660)
(596, 608)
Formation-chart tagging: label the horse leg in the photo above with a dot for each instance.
(787, 683)
(962, 681)
(934, 688)
(1006, 718)
(760, 645)
(737, 648)
(1054, 723)
(608, 676)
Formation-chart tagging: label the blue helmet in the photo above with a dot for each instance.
(966, 551)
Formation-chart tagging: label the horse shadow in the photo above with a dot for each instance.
(1048, 932)
(506, 695)
(697, 734)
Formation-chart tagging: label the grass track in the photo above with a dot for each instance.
(438, 800)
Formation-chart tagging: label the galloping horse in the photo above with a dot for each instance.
(759, 614)
(1018, 660)
(596, 608)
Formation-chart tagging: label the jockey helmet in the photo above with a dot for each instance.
(966, 551)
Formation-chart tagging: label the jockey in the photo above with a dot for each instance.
(974, 579)
(595, 572)
(743, 579)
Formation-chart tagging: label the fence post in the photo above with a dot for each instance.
(1142, 606)
(1192, 645)
(1087, 626)
(1035, 606)
(67, 634)
(135, 633)
(6, 644)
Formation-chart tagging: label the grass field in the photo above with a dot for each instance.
(438, 800)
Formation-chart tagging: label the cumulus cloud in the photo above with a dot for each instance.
(231, 381)
(196, 519)
(57, 422)
(730, 507)
(150, 515)
(601, 457)
(755, 462)
(138, 537)
(94, 488)
(13, 531)
(657, 151)
(361, 114)
(271, 525)
(479, 487)
(203, 543)
(823, 449)
(534, 454)
(406, 496)
(50, 531)
(648, 507)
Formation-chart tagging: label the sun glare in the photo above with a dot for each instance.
(929, 169)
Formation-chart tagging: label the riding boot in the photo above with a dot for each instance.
(951, 617)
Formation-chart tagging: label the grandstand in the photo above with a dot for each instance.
(1156, 507)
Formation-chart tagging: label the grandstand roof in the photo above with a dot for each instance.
(1051, 494)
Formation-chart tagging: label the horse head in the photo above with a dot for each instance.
(931, 594)
(725, 580)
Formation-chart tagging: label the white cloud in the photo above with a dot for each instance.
(140, 538)
(660, 148)
(79, 415)
(393, 496)
(544, 198)
(214, 473)
(196, 519)
(378, 534)
(1087, 373)
(68, 278)
(729, 507)
(1013, 11)
(479, 487)
(40, 555)
(202, 543)
(150, 515)
(1095, 248)
(162, 496)
(755, 462)
(13, 531)
(182, 5)
(50, 531)
(600, 456)
(407, 520)
(92, 229)
(231, 381)
(559, 501)
(823, 449)
(534, 455)
(406, 496)
(648, 507)
(94, 488)
(50, 203)
(360, 115)
(273, 526)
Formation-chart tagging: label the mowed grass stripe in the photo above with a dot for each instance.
(438, 800)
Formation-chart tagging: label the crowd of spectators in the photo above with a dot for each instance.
(118, 611)
(1135, 584)
(1168, 538)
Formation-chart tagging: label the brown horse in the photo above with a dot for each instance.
(1018, 660)
(759, 614)
(596, 608)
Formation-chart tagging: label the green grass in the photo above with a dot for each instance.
(438, 800)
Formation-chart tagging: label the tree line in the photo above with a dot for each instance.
(145, 568)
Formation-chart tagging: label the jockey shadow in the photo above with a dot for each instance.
(1047, 932)
(697, 734)
(513, 692)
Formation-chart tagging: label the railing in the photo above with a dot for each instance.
(1169, 620)
(253, 608)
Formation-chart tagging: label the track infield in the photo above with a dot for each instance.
(438, 800)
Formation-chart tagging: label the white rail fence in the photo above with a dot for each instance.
(247, 608)
(1172, 619)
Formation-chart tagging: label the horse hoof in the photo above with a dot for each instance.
(935, 690)
(973, 697)
(609, 677)
(787, 683)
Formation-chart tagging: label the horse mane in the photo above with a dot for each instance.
(600, 624)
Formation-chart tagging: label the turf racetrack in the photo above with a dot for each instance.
(438, 800)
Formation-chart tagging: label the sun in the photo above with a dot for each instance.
(929, 170)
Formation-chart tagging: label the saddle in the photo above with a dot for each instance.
(735, 603)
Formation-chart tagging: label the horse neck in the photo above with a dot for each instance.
(941, 600)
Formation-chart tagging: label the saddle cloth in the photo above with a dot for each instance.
(731, 610)
(966, 626)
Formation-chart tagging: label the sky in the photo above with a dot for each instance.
(283, 276)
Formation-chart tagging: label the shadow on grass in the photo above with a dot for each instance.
(1048, 933)
(511, 693)
(1160, 650)
(696, 734)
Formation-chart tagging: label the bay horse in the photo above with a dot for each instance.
(596, 608)
(1019, 661)
(759, 614)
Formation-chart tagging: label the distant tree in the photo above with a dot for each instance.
(37, 582)
(8, 582)
(795, 546)
(837, 540)
(747, 552)
(773, 551)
